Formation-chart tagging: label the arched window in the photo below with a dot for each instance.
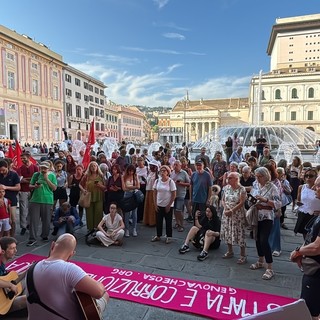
(294, 93)
(278, 94)
(311, 93)
(262, 95)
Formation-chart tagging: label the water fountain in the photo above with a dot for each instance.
(284, 141)
(109, 145)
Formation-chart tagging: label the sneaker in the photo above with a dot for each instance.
(184, 249)
(127, 234)
(31, 243)
(155, 238)
(45, 239)
(23, 231)
(168, 240)
(202, 256)
(134, 233)
(276, 253)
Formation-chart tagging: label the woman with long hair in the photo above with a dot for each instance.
(93, 181)
(114, 192)
(70, 165)
(73, 184)
(294, 171)
(130, 183)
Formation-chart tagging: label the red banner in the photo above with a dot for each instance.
(91, 141)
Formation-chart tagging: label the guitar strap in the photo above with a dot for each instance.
(33, 296)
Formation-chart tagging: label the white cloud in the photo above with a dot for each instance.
(172, 35)
(160, 3)
(164, 51)
(161, 88)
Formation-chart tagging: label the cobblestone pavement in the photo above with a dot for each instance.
(138, 253)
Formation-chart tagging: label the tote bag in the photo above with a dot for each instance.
(85, 199)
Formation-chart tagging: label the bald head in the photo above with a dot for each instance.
(64, 247)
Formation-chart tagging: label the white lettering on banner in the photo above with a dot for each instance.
(192, 298)
(126, 273)
(18, 267)
(210, 287)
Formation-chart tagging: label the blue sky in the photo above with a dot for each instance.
(150, 52)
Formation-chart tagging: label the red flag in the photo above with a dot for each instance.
(17, 163)
(10, 154)
(33, 160)
(91, 141)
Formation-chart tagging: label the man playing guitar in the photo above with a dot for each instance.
(55, 281)
(10, 298)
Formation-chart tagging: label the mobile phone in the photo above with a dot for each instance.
(96, 182)
(252, 199)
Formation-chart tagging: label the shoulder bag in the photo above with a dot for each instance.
(85, 199)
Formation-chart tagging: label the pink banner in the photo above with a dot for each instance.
(202, 298)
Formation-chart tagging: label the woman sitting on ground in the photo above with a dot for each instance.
(111, 228)
(205, 232)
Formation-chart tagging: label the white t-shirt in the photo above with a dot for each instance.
(54, 281)
(164, 190)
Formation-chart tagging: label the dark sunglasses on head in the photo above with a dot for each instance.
(310, 176)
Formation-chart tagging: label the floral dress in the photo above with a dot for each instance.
(233, 227)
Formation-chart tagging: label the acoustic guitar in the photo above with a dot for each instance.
(6, 295)
(88, 306)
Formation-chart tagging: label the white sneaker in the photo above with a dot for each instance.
(134, 232)
(127, 234)
(276, 253)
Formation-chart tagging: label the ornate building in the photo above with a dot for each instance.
(84, 100)
(191, 120)
(31, 89)
(290, 92)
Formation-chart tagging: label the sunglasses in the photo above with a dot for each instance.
(310, 176)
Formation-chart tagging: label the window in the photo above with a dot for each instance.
(96, 90)
(96, 100)
(11, 81)
(55, 93)
(91, 111)
(102, 113)
(11, 106)
(35, 87)
(102, 127)
(78, 111)
(78, 95)
(90, 87)
(77, 82)
(101, 92)
(97, 126)
(86, 98)
(91, 98)
(10, 56)
(68, 78)
(55, 74)
(262, 95)
(102, 102)
(35, 110)
(69, 109)
(36, 133)
(278, 94)
(294, 93)
(261, 118)
(68, 92)
(277, 116)
(293, 115)
(310, 115)
(311, 93)
(86, 113)
(97, 112)
(34, 66)
(86, 85)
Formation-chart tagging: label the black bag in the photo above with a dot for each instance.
(128, 203)
(91, 238)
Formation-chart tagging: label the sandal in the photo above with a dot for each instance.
(176, 226)
(180, 229)
(227, 255)
(155, 238)
(242, 260)
(257, 265)
(268, 274)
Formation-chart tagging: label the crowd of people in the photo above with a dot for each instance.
(210, 197)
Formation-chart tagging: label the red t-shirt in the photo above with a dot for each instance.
(4, 210)
(26, 172)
